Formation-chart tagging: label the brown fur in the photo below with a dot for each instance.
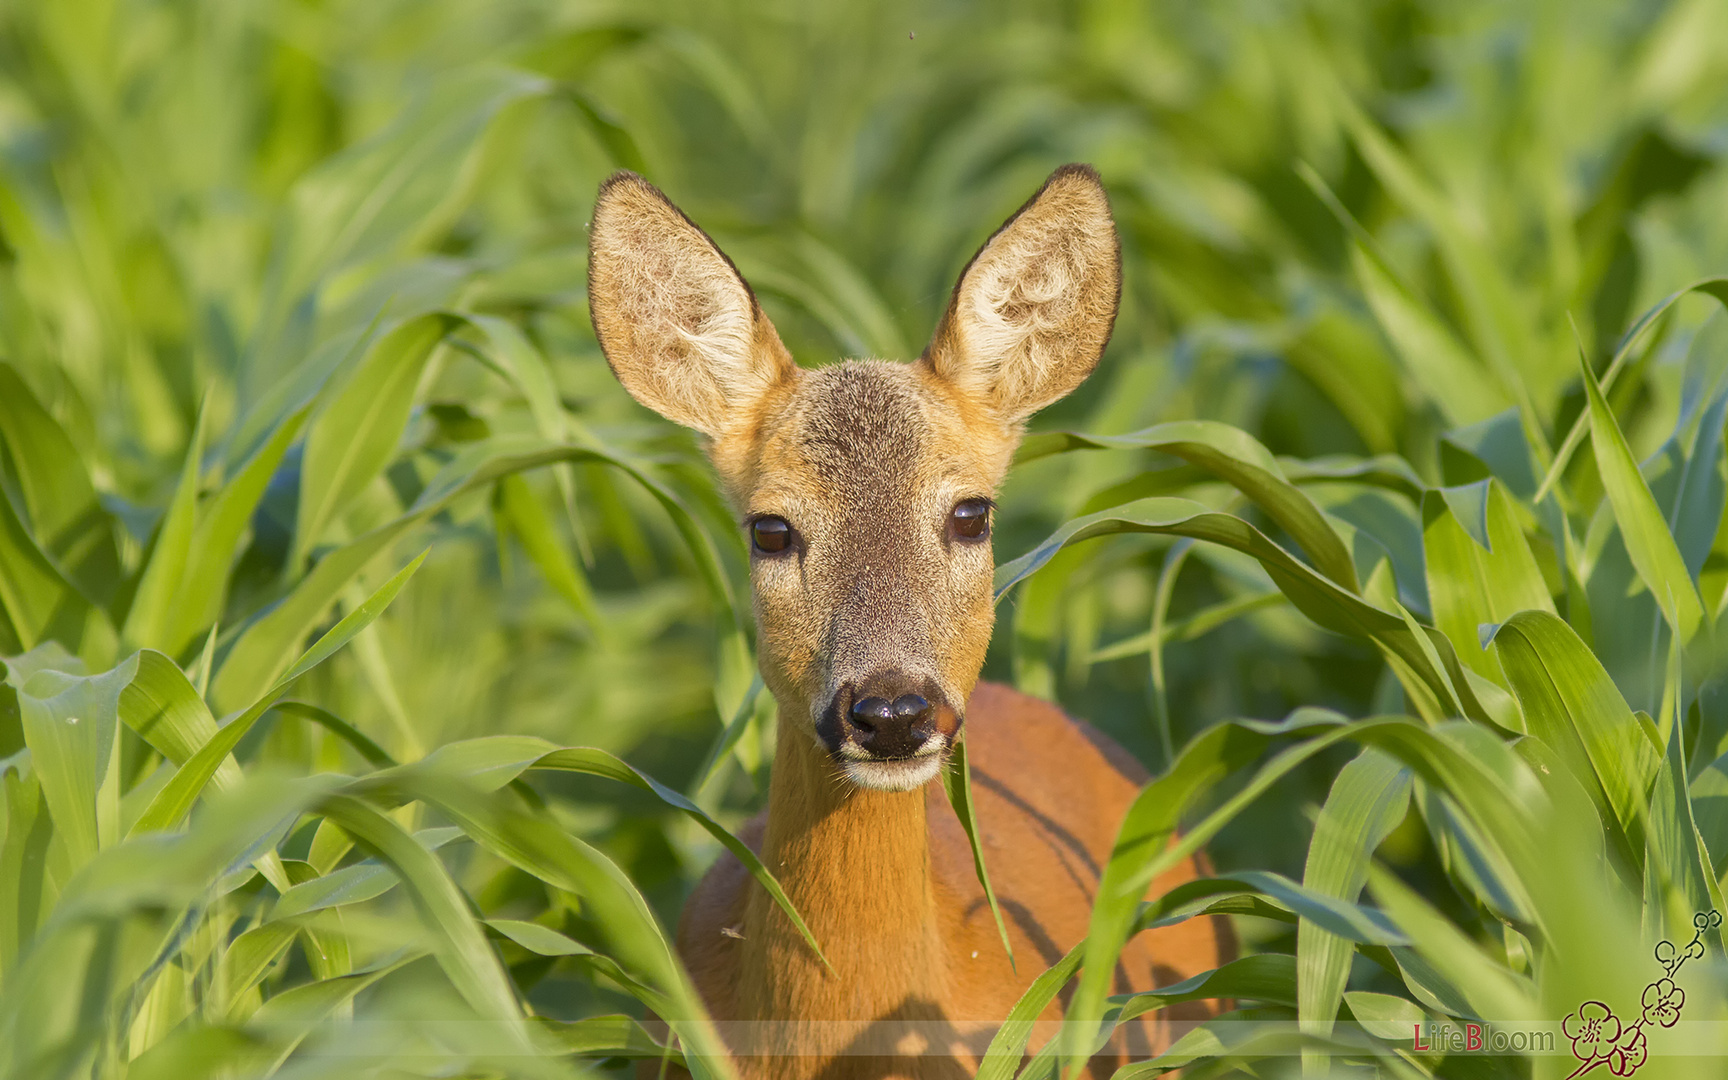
(866, 460)
(885, 880)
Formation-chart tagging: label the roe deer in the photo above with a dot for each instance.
(865, 488)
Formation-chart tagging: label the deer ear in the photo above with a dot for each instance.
(678, 325)
(1034, 308)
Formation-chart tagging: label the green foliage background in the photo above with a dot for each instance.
(292, 293)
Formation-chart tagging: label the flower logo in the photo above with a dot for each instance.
(1629, 1053)
(1662, 1002)
(1593, 1029)
(1599, 1038)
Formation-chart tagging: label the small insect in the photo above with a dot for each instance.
(911, 35)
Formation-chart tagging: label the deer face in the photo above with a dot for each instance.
(865, 487)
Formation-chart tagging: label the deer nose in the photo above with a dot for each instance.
(891, 729)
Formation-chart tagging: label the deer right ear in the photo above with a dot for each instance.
(1033, 310)
(679, 327)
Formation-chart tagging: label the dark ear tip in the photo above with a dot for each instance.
(624, 180)
(1077, 168)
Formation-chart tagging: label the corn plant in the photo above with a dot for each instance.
(375, 676)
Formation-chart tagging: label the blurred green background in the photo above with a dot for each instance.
(1349, 228)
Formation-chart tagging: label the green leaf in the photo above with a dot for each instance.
(375, 755)
(1571, 704)
(1648, 542)
(1267, 977)
(377, 197)
(957, 782)
(1716, 287)
(1235, 457)
(249, 959)
(28, 886)
(198, 604)
(1476, 580)
(1319, 598)
(729, 736)
(1146, 843)
(351, 884)
(176, 798)
(461, 947)
(607, 1036)
(1500, 809)
(491, 762)
(618, 911)
(262, 650)
(1447, 374)
(542, 940)
(1493, 992)
(534, 529)
(1385, 1016)
(1008, 1045)
(1709, 791)
(61, 506)
(358, 423)
(163, 707)
(71, 725)
(38, 602)
(1679, 879)
(1369, 798)
(148, 619)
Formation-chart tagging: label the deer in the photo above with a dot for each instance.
(865, 490)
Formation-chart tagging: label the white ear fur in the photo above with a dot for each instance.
(1033, 310)
(678, 325)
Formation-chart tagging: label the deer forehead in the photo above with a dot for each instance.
(872, 448)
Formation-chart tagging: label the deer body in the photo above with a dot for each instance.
(866, 488)
(924, 973)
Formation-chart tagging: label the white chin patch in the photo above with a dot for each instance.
(901, 775)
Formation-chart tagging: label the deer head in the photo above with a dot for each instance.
(865, 487)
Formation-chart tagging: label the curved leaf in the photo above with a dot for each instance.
(1320, 599)
(1235, 457)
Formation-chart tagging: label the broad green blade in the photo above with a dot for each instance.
(217, 537)
(71, 725)
(39, 603)
(1267, 977)
(1368, 800)
(1571, 704)
(163, 707)
(358, 424)
(61, 505)
(1476, 582)
(1642, 527)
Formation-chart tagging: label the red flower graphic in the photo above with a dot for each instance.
(1593, 1029)
(1662, 1002)
(1629, 1052)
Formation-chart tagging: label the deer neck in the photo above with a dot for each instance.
(856, 864)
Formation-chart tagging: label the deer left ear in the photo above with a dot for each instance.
(1033, 310)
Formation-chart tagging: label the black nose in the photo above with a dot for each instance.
(891, 729)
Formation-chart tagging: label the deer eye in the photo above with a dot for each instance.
(970, 519)
(770, 535)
